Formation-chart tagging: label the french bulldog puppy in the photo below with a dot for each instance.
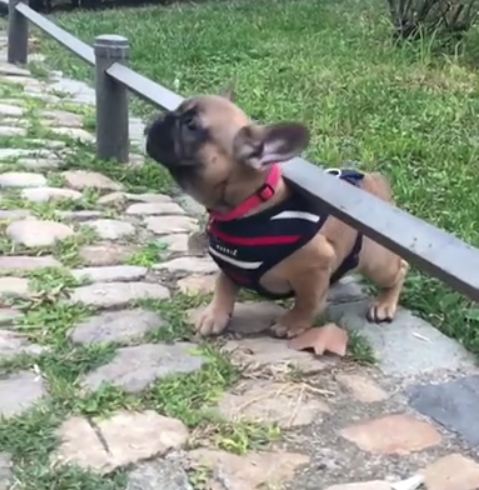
(262, 234)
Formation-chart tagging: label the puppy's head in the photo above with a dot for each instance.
(214, 151)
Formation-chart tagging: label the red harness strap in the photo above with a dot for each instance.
(263, 194)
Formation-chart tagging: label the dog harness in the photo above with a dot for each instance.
(246, 247)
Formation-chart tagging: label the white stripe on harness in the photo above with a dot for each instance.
(314, 218)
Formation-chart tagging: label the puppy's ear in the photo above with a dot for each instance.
(228, 91)
(258, 146)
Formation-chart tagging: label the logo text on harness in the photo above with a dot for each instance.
(225, 250)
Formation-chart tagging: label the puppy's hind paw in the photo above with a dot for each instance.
(381, 312)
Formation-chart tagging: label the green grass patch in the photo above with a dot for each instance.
(151, 253)
(359, 349)
(174, 312)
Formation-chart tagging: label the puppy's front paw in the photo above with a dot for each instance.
(212, 322)
(279, 330)
(286, 326)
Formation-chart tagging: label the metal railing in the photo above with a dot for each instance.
(432, 250)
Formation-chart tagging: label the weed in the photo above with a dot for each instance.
(359, 349)
(152, 253)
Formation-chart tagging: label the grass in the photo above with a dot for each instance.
(359, 350)
(150, 254)
(407, 110)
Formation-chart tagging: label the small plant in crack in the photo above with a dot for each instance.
(152, 253)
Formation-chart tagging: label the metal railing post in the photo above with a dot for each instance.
(112, 138)
(17, 34)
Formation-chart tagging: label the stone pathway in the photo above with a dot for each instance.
(409, 421)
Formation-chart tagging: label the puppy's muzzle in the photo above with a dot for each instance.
(160, 140)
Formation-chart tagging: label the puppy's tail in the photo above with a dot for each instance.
(378, 184)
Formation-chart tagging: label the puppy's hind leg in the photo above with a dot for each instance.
(309, 272)
(388, 271)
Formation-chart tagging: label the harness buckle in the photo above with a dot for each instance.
(265, 192)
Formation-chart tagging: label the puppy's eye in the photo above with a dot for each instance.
(256, 151)
(191, 125)
(190, 122)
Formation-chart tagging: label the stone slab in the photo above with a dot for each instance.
(157, 475)
(10, 69)
(80, 216)
(366, 485)
(452, 472)
(45, 194)
(22, 179)
(454, 404)
(112, 229)
(116, 326)
(7, 110)
(164, 225)
(363, 388)
(37, 164)
(12, 153)
(14, 214)
(79, 92)
(407, 346)
(254, 470)
(19, 392)
(348, 289)
(192, 265)
(266, 402)
(176, 243)
(398, 434)
(154, 208)
(105, 254)
(84, 179)
(149, 197)
(13, 344)
(123, 439)
(274, 354)
(116, 198)
(111, 273)
(117, 294)
(27, 263)
(62, 118)
(9, 131)
(14, 286)
(9, 316)
(197, 284)
(75, 134)
(5, 471)
(34, 233)
(134, 368)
